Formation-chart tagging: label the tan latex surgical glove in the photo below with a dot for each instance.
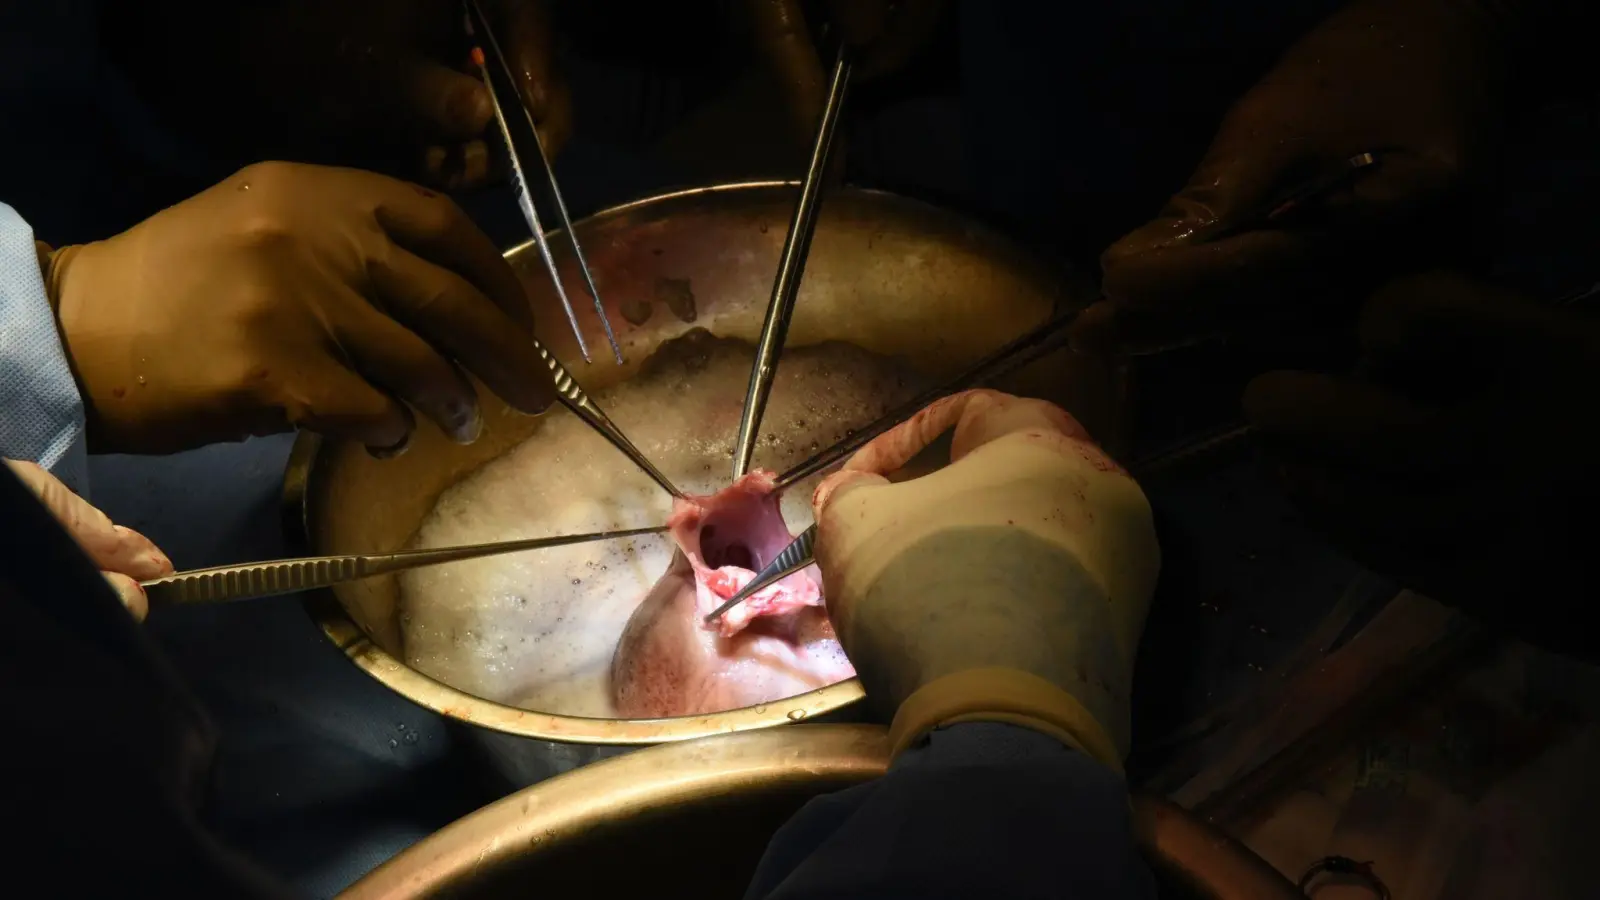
(1011, 585)
(293, 296)
(1420, 83)
(124, 556)
(883, 35)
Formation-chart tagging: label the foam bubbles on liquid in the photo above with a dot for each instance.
(537, 629)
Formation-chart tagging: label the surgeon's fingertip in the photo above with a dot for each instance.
(1094, 331)
(390, 452)
(544, 397)
(1268, 396)
(835, 486)
(468, 108)
(1154, 236)
(464, 423)
(534, 396)
(395, 438)
(143, 558)
(434, 161)
(129, 592)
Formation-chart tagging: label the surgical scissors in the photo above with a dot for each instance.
(520, 131)
(288, 576)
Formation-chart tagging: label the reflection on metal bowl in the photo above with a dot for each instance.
(896, 277)
(691, 820)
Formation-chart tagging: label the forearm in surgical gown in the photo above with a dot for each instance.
(41, 414)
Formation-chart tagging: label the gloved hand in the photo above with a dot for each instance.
(125, 557)
(1420, 82)
(1461, 461)
(382, 83)
(1011, 585)
(884, 36)
(293, 296)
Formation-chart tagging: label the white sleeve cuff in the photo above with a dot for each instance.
(41, 414)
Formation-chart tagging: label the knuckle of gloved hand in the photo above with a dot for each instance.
(259, 312)
(265, 230)
(1400, 309)
(268, 179)
(440, 215)
(246, 379)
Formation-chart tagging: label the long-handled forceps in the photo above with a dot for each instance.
(520, 135)
(287, 576)
(791, 266)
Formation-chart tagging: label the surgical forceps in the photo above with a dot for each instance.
(800, 553)
(519, 131)
(519, 134)
(288, 576)
(791, 266)
(574, 398)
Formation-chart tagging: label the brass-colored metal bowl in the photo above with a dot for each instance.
(691, 819)
(894, 276)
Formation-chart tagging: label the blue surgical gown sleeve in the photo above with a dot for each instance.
(41, 414)
(977, 809)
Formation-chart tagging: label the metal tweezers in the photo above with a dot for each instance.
(288, 576)
(520, 134)
(791, 266)
(573, 397)
(800, 553)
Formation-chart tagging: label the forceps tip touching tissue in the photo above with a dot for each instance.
(800, 553)
(520, 134)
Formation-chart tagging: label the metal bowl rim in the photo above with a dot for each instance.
(330, 615)
(335, 622)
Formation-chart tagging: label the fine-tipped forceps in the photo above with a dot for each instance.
(791, 266)
(575, 398)
(520, 135)
(800, 553)
(288, 576)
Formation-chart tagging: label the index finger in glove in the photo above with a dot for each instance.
(1447, 313)
(885, 35)
(435, 103)
(1362, 425)
(978, 417)
(779, 30)
(1395, 526)
(1213, 252)
(111, 547)
(494, 340)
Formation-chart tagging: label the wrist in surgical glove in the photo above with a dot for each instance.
(1031, 553)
